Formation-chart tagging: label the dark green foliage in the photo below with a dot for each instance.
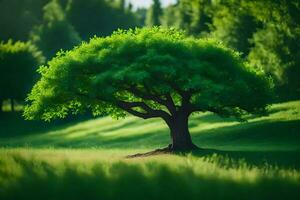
(193, 16)
(98, 17)
(18, 63)
(17, 18)
(277, 43)
(56, 32)
(233, 24)
(135, 71)
(141, 14)
(154, 14)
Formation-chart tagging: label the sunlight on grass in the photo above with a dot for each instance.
(274, 131)
(100, 172)
(258, 159)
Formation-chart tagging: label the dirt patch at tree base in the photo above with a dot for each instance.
(167, 150)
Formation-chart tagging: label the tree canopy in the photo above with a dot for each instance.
(148, 73)
(156, 62)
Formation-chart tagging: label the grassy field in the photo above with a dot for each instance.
(259, 159)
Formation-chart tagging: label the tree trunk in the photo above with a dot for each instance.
(12, 104)
(180, 135)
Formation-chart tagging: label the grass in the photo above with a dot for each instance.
(105, 174)
(86, 159)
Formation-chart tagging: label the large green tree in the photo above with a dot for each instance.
(149, 73)
(18, 63)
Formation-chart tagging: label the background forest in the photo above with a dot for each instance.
(266, 33)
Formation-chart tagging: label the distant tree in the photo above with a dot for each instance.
(234, 24)
(55, 32)
(193, 16)
(141, 14)
(149, 73)
(170, 16)
(277, 44)
(18, 63)
(98, 17)
(154, 14)
(122, 5)
(17, 18)
(201, 16)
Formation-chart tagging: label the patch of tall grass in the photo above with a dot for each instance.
(106, 174)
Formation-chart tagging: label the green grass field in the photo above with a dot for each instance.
(258, 159)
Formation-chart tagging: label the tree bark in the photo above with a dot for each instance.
(180, 135)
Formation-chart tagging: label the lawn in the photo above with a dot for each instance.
(86, 159)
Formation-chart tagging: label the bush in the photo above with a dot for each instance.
(18, 63)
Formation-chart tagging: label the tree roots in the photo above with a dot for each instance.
(167, 150)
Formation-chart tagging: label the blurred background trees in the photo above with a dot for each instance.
(266, 32)
(18, 63)
(99, 17)
(55, 32)
(154, 14)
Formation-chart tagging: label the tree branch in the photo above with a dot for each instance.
(148, 96)
(150, 113)
(169, 104)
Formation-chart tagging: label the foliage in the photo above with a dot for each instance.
(233, 24)
(153, 14)
(56, 32)
(141, 14)
(276, 44)
(136, 70)
(98, 17)
(18, 17)
(18, 63)
(192, 16)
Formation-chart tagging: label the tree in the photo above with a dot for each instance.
(17, 18)
(18, 63)
(277, 44)
(149, 73)
(191, 15)
(122, 5)
(98, 17)
(234, 24)
(55, 32)
(153, 14)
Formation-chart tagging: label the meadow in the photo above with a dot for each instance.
(258, 159)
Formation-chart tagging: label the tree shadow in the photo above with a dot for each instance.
(12, 124)
(285, 159)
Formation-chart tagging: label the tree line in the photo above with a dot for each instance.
(265, 32)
